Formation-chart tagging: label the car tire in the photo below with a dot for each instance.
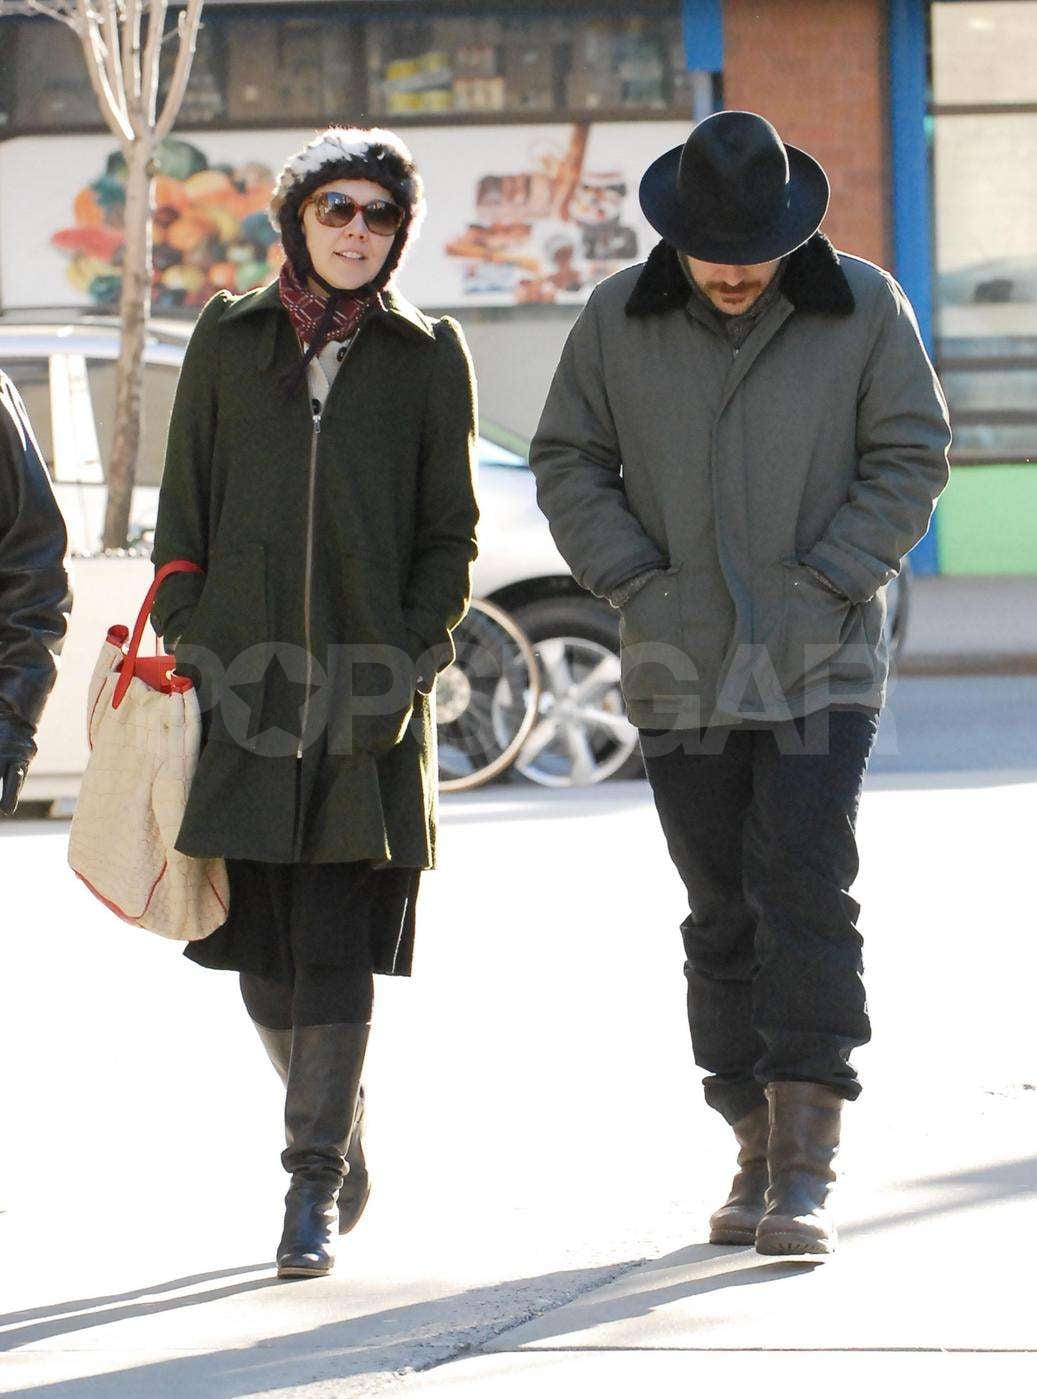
(583, 629)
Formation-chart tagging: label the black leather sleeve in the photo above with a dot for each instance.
(35, 597)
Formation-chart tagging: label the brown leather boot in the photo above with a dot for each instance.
(736, 1220)
(805, 1119)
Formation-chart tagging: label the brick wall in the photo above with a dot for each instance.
(818, 69)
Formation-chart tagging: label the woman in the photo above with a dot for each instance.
(320, 470)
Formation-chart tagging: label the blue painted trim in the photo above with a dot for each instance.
(912, 198)
(704, 35)
(912, 220)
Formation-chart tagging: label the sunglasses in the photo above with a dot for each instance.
(337, 210)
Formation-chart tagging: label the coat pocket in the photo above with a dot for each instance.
(819, 624)
(654, 662)
(226, 644)
(374, 673)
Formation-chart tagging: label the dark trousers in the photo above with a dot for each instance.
(760, 826)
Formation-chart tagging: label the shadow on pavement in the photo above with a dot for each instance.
(67, 1318)
(714, 1269)
(1005, 1180)
(427, 1333)
(377, 1343)
(703, 1268)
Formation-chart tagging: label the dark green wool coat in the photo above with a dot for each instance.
(337, 561)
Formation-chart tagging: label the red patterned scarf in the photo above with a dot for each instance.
(306, 309)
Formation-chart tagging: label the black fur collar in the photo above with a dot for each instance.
(812, 280)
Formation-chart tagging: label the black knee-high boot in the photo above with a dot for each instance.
(356, 1188)
(260, 1000)
(278, 1045)
(324, 1074)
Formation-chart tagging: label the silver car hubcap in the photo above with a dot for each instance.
(582, 735)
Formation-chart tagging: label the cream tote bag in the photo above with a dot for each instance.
(144, 729)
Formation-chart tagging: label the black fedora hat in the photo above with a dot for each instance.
(734, 192)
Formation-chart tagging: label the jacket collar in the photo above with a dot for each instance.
(389, 307)
(813, 281)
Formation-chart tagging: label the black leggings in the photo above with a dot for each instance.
(304, 937)
(321, 995)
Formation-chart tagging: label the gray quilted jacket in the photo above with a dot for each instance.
(820, 444)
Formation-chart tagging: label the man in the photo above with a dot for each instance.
(742, 441)
(34, 592)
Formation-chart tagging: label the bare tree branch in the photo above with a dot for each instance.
(55, 10)
(187, 26)
(114, 115)
(130, 13)
(110, 38)
(124, 75)
(149, 70)
(131, 64)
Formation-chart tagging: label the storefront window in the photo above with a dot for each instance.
(986, 51)
(985, 160)
(203, 99)
(271, 69)
(288, 67)
(51, 88)
(284, 64)
(515, 66)
(46, 86)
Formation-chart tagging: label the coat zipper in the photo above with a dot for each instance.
(308, 586)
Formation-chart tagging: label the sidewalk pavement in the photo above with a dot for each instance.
(973, 625)
(931, 1286)
(543, 1164)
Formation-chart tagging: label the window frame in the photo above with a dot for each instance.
(968, 362)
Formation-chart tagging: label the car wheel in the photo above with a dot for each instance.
(582, 735)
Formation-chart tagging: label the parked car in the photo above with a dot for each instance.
(65, 370)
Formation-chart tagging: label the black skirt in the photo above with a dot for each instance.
(281, 915)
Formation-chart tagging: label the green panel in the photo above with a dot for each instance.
(987, 520)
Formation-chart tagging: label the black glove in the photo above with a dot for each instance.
(17, 751)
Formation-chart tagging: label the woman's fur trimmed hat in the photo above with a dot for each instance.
(348, 153)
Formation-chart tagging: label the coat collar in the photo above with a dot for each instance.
(399, 313)
(390, 308)
(813, 280)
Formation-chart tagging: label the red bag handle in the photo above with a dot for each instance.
(130, 661)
